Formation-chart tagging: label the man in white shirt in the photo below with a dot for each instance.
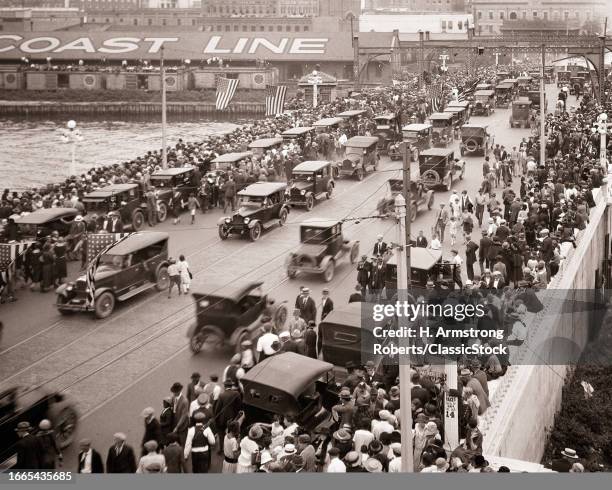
(336, 465)
(395, 464)
(264, 343)
(199, 444)
(90, 460)
(362, 437)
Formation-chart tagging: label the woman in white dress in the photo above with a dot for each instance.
(183, 267)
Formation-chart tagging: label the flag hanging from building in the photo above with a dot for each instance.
(90, 274)
(10, 252)
(275, 99)
(437, 97)
(226, 88)
(468, 90)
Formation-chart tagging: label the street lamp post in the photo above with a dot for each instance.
(315, 80)
(72, 136)
(602, 129)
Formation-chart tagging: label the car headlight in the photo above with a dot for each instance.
(87, 290)
(246, 221)
(69, 288)
(303, 193)
(228, 221)
(287, 192)
(354, 164)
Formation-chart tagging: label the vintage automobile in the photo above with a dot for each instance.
(166, 180)
(549, 74)
(229, 315)
(42, 222)
(563, 78)
(466, 104)
(418, 136)
(126, 199)
(132, 266)
(461, 115)
(360, 156)
(29, 404)
(576, 85)
(504, 95)
(524, 84)
(425, 264)
(298, 134)
(485, 86)
(260, 205)
(534, 97)
(261, 146)
(229, 161)
(327, 124)
(475, 138)
(439, 168)
(586, 75)
(521, 112)
(442, 132)
(289, 384)
(350, 118)
(388, 131)
(484, 102)
(310, 180)
(419, 195)
(322, 246)
(502, 75)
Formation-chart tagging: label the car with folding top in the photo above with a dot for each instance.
(41, 223)
(230, 161)
(461, 115)
(298, 134)
(484, 102)
(418, 136)
(502, 75)
(166, 181)
(419, 195)
(327, 124)
(534, 97)
(485, 86)
(475, 138)
(289, 384)
(361, 156)
(389, 132)
(466, 104)
(563, 78)
(521, 113)
(132, 266)
(438, 167)
(259, 147)
(322, 245)
(310, 180)
(260, 206)
(524, 84)
(126, 199)
(350, 119)
(442, 133)
(228, 315)
(576, 85)
(504, 95)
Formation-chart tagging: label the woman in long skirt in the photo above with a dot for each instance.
(183, 267)
(231, 448)
(60, 260)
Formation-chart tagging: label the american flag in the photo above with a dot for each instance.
(10, 252)
(96, 242)
(226, 88)
(437, 97)
(468, 90)
(275, 99)
(90, 275)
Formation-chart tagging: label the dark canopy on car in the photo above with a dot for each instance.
(262, 189)
(110, 190)
(138, 241)
(310, 166)
(42, 216)
(171, 172)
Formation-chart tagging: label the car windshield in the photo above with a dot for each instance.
(303, 176)
(251, 201)
(431, 160)
(482, 98)
(441, 123)
(162, 181)
(116, 262)
(96, 205)
(314, 235)
(351, 150)
(28, 230)
(411, 135)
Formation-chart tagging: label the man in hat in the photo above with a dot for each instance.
(307, 451)
(373, 465)
(199, 444)
(378, 277)
(90, 460)
(380, 247)
(357, 296)
(28, 448)
(152, 430)
(296, 322)
(113, 223)
(440, 222)
(566, 461)
(306, 305)
(343, 412)
(120, 457)
(327, 305)
(180, 410)
(193, 383)
(364, 269)
(353, 462)
(470, 256)
(311, 347)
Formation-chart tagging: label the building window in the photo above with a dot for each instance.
(279, 28)
(270, 28)
(480, 14)
(121, 20)
(135, 22)
(106, 21)
(443, 25)
(490, 15)
(236, 27)
(253, 28)
(306, 28)
(262, 28)
(490, 28)
(178, 22)
(227, 28)
(524, 14)
(460, 25)
(566, 15)
(164, 22)
(193, 22)
(150, 22)
(501, 15)
(450, 25)
(577, 14)
(545, 15)
(535, 14)
(296, 28)
(288, 28)
(588, 15)
(244, 28)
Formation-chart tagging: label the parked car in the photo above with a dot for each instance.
(126, 199)
(350, 118)
(439, 168)
(310, 180)
(261, 146)
(563, 78)
(524, 84)
(475, 138)
(425, 264)
(28, 404)
(419, 194)
(132, 266)
(260, 205)
(501, 75)
(168, 179)
(388, 131)
(322, 246)
(230, 315)
(576, 85)
(484, 102)
(42, 222)
(361, 155)
(521, 112)
(442, 133)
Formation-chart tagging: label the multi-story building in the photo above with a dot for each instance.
(415, 6)
(16, 19)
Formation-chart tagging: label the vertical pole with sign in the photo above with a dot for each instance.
(451, 407)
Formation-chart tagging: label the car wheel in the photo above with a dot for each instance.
(162, 212)
(330, 190)
(163, 279)
(359, 174)
(282, 216)
(206, 340)
(223, 232)
(255, 232)
(328, 273)
(280, 317)
(137, 220)
(291, 273)
(64, 426)
(104, 305)
(309, 202)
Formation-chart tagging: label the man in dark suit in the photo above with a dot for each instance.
(470, 256)
(417, 391)
(90, 460)
(483, 252)
(311, 345)
(175, 461)
(466, 202)
(180, 409)
(28, 448)
(120, 458)
(306, 305)
(152, 430)
(327, 305)
(378, 277)
(565, 463)
(421, 241)
(226, 408)
(113, 223)
(380, 247)
(356, 297)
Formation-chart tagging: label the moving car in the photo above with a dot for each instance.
(524, 84)
(521, 112)
(310, 180)
(134, 265)
(289, 384)
(439, 168)
(425, 264)
(475, 138)
(534, 97)
(504, 95)
(27, 404)
(361, 155)
(322, 246)
(388, 131)
(126, 199)
(484, 102)
(230, 315)
(260, 205)
(166, 181)
(467, 105)
(418, 136)
(419, 195)
(442, 123)
(42, 222)
(350, 119)
(261, 146)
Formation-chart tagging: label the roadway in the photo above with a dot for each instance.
(114, 368)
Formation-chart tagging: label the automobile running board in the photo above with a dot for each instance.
(136, 291)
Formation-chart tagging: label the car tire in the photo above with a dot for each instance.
(223, 232)
(162, 212)
(359, 174)
(242, 337)
(309, 202)
(162, 281)
(206, 340)
(64, 426)
(280, 317)
(330, 190)
(137, 220)
(328, 273)
(291, 273)
(282, 216)
(255, 232)
(104, 305)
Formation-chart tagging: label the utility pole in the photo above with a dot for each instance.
(403, 211)
(421, 63)
(543, 109)
(162, 74)
(356, 63)
(602, 64)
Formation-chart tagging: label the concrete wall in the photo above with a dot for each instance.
(525, 402)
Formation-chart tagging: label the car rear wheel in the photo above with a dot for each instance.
(162, 212)
(223, 232)
(163, 279)
(359, 174)
(104, 305)
(328, 273)
(255, 232)
(309, 202)
(242, 337)
(206, 340)
(64, 426)
(282, 216)
(137, 220)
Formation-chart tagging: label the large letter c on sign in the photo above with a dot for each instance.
(52, 43)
